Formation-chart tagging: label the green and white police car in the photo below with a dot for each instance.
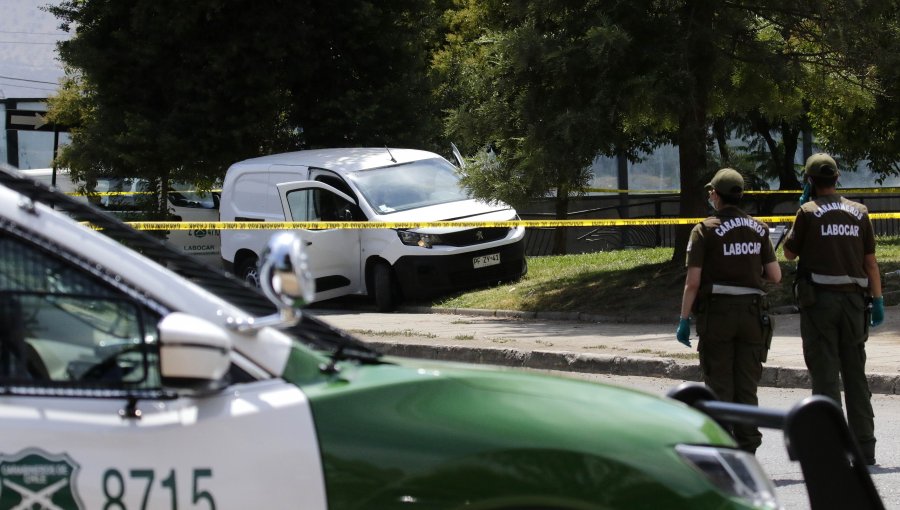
(132, 384)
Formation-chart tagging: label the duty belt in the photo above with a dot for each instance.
(734, 290)
(824, 279)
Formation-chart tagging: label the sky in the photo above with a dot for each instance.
(29, 67)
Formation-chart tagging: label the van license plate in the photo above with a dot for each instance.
(486, 260)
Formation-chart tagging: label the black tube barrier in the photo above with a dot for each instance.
(816, 434)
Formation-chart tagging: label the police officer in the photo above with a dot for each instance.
(729, 256)
(837, 275)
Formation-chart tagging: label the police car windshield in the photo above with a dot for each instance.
(409, 185)
(309, 330)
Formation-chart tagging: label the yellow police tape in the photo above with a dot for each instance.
(327, 225)
(748, 192)
(590, 190)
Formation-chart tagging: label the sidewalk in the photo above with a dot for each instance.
(571, 342)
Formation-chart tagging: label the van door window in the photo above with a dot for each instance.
(315, 204)
(60, 325)
(334, 181)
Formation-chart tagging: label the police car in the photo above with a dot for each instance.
(132, 384)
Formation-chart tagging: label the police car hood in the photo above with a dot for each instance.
(492, 401)
(423, 424)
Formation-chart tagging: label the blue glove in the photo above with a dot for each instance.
(683, 333)
(877, 311)
(804, 197)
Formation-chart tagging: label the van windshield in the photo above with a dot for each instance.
(409, 185)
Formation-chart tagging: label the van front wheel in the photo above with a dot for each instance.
(385, 288)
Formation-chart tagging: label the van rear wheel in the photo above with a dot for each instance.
(249, 272)
(384, 288)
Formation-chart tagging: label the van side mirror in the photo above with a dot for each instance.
(460, 161)
(194, 353)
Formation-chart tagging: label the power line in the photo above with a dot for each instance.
(32, 81)
(15, 85)
(29, 42)
(32, 33)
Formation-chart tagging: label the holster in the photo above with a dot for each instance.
(804, 291)
(767, 323)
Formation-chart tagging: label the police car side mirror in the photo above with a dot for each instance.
(284, 275)
(194, 353)
(285, 279)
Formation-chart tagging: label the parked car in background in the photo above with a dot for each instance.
(375, 185)
(127, 383)
(126, 198)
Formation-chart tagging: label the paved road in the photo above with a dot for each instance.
(785, 474)
(560, 342)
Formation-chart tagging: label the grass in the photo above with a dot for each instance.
(627, 282)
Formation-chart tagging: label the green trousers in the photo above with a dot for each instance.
(834, 329)
(734, 341)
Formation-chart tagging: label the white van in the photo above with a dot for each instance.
(377, 185)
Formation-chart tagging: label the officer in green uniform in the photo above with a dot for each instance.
(729, 256)
(837, 277)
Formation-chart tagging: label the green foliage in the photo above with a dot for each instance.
(168, 87)
(549, 85)
(172, 90)
(363, 78)
(864, 127)
(531, 81)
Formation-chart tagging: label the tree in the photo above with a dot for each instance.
(656, 67)
(364, 78)
(866, 129)
(531, 83)
(812, 63)
(168, 90)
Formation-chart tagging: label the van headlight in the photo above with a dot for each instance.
(734, 472)
(410, 238)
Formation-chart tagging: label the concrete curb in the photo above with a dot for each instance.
(565, 316)
(772, 376)
(552, 316)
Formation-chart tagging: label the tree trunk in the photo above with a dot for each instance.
(624, 198)
(720, 132)
(560, 234)
(693, 122)
(787, 175)
(164, 196)
(782, 156)
(692, 160)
